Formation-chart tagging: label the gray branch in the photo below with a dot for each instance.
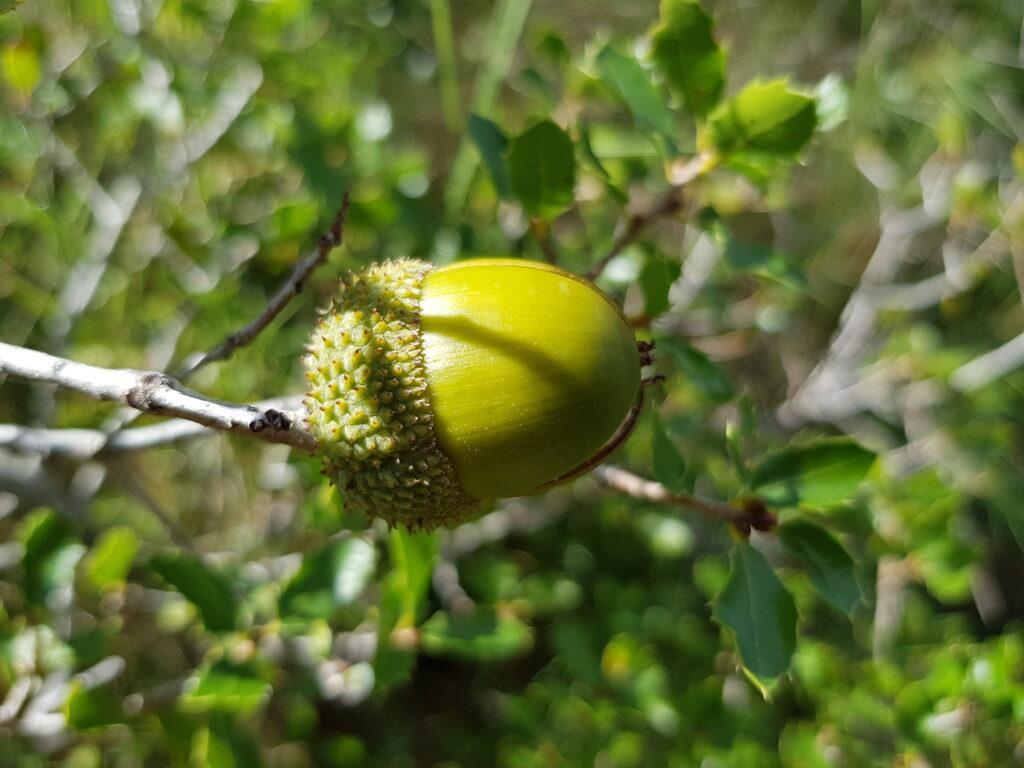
(154, 393)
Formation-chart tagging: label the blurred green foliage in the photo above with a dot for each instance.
(163, 163)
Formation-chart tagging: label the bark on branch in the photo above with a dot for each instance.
(155, 393)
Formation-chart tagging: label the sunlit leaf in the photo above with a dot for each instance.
(91, 708)
(481, 634)
(333, 577)
(630, 82)
(765, 117)
(110, 558)
(226, 687)
(686, 51)
(820, 473)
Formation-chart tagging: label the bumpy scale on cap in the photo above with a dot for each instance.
(367, 401)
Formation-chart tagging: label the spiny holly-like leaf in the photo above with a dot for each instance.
(542, 167)
(630, 82)
(828, 565)
(491, 143)
(667, 464)
(698, 368)
(209, 591)
(481, 634)
(763, 117)
(686, 51)
(333, 577)
(820, 473)
(760, 611)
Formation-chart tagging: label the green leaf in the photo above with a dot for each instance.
(542, 167)
(630, 82)
(656, 278)
(760, 611)
(50, 554)
(333, 577)
(209, 591)
(686, 51)
(761, 260)
(403, 597)
(830, 568)
(820, 473)
(698, 368)
(667, 464)
(491, 143)
(91, 708)
(226, 687)
(481, 635)
(110, 559)
(763, 117)
(225, 744)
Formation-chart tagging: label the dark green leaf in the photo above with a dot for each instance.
(686, 51)
(820, 473)
(668, 466)
(761, 260)
(50, 554)
(764, 117)
(334, 576)
(491, 143)
(591, 158)
(630, 82)
(481, 635)
(93, 708)
(830, 568)
(403, 596)
(542, 167)
(225, 687)
(698, 368)
(760, 611)
(111, 557)
(225, 744)
(656, 278)
(209, 591)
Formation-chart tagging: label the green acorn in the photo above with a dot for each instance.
(434, 390)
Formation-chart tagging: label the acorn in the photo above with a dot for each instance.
(433, 390)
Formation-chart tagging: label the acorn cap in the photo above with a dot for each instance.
(432, 390)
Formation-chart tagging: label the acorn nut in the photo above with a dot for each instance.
(434, 390)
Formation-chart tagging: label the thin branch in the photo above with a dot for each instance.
(84, 444)
(541, 231)
(292, 288)
(154, 393)
(669, 203)
(626, 482)
(990, 366)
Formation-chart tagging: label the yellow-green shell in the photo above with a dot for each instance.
(432, 390)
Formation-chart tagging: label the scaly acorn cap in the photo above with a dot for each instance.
(433, 390)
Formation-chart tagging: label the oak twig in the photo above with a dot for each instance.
(154, 393)
(752, 515)
(670, 202)
(292, 288)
